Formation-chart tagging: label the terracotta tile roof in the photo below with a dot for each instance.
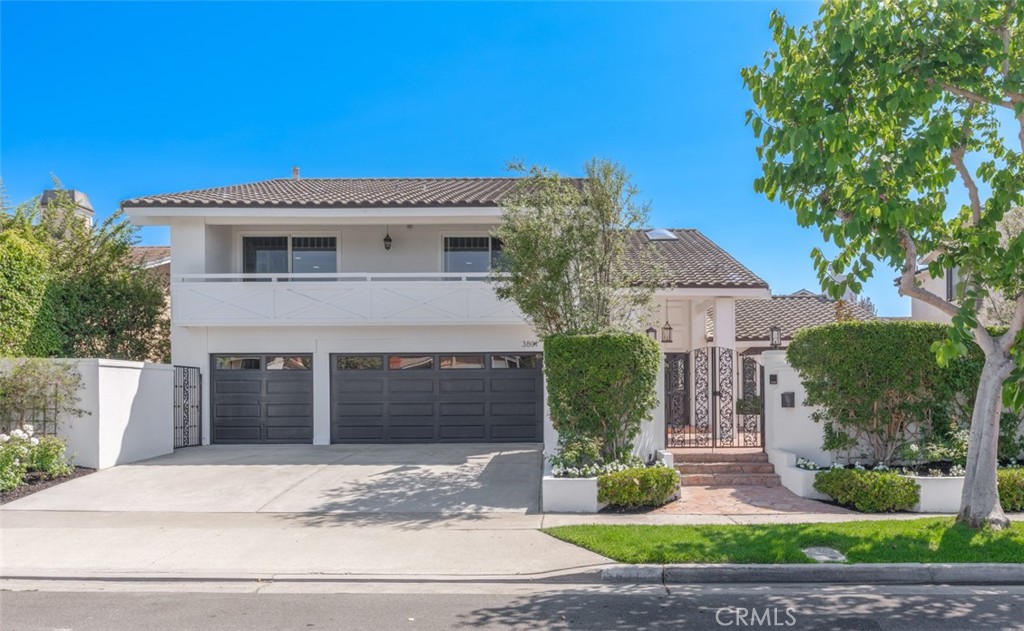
(151, 255)
(790, 313)
(340, 193)
(693, 260)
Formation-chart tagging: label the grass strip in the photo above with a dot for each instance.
(928, 540)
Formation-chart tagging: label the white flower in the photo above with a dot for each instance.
(914, 448)
(29, 429)
(33, 441)
(19, 434)
(4, 438)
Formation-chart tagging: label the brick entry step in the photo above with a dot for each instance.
(724, 468)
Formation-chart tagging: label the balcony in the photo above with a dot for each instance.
(337, 299)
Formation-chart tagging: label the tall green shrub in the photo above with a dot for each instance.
(877, 383)
(602, 386)
(27, 326)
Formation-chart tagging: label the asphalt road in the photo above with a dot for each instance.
(388, 607)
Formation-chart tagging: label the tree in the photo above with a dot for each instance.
(565, 257)
(96, 300)
(866, 118)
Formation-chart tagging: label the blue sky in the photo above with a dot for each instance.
(125, 99)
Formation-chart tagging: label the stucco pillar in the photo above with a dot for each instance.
(725, 322)
(321, 396)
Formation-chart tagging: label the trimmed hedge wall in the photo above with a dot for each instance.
(1011, 488)
(639, 486)
(869, 491)
(602, 386)
(873, 379)
(27, 325)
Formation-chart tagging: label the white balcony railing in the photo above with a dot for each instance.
(337, 299)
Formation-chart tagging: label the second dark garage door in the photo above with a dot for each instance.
(483, 397)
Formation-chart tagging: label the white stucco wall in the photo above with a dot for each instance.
(924, 312)
(128, 413)
(789, 429)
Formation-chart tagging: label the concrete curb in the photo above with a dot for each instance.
(864, 573)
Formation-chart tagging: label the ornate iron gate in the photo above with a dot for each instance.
(701, 406)
(188, 409)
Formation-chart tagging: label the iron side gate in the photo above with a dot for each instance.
(702, 409)
(188, 408)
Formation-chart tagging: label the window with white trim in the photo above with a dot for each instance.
(289, 254)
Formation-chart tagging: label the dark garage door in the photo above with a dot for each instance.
(262, 398)
(436, 398)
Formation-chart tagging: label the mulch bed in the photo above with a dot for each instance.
(34, 482)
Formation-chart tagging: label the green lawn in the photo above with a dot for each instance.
(929, 540)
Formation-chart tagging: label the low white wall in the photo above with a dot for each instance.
(939, 495)
(128, 413)
(799, 481)
(789, 429)
(568, 495)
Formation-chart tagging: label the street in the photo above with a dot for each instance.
(248, 606)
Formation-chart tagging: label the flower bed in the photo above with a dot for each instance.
(23, 454)
(569, 493)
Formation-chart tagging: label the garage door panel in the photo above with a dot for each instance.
(463, 409)
(411, 386)
(289, 387)
(518, 384)
(411, 432)
(462, 385)
(411, 409)
(359, 409)
(347, 385)
(253, 404)
(463, 432)
(237, 387)
(358, 433)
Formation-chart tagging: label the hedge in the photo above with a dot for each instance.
(27, 325)
(872, 380)
(602, 386)
(869, 491)
(639, 486)
(1011, 488)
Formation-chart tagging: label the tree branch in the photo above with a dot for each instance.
(956, 156)
(974, 97)
(1016, 325)
(908, 278)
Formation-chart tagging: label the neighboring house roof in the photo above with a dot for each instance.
(790, 313)
(341, 193)
(152, 255)
(693, 260)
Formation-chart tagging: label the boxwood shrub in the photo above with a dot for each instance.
(639, 486)
(1011, 488)
(869, 491)
(602, 386)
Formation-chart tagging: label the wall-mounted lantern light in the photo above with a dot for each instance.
(387, 238)
(775, 337)
(652, 333)
(666, 333)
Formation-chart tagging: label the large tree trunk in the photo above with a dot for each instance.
(979, 504)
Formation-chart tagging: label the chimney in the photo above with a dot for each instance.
(295, 173)
(80, 201)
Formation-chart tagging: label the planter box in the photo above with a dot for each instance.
(569, 495)
(938, 495)
(799, 481)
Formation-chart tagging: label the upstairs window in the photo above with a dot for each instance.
(470, 255)
(290, 254)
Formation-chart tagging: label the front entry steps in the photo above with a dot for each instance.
(724, 468)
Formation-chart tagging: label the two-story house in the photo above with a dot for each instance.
(359, 310)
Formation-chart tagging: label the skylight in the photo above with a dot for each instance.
(661, 234)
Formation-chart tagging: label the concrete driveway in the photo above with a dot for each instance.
(445, 480)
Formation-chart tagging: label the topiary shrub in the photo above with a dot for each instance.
(602, 386)
(639, 486)
(1010, 482)
(869, 491)
(877, 384)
